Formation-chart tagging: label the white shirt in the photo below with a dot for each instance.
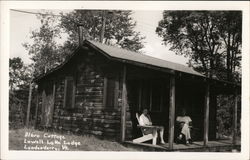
(143, 120)
(185, 119)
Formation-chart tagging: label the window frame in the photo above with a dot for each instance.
(115, 94)
(151, 98)
(150, 89)
(67, 78)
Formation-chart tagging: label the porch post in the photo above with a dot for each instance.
(235, 117)
(124, 103)
(171, 112)
(206, 114)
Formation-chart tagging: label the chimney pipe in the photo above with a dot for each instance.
(103, 26)
(80, 34)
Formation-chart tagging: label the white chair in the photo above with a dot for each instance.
(146, 136)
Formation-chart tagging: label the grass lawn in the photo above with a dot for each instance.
(18, 141)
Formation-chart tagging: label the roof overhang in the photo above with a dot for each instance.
(88, 44)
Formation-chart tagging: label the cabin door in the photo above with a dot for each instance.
(48, 105)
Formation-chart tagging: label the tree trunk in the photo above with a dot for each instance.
(228, 57)
(29, 105)
(211, 72)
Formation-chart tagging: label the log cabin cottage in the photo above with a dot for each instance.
(99, 89)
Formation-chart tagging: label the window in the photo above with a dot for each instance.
(111, 87)
(145, 95)
(69, 93)
(151, 95)
(156, 97)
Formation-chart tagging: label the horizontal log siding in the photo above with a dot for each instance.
(129, 127)
(89, 116)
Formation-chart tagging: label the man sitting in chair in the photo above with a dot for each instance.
(145, 120)
(185, 124)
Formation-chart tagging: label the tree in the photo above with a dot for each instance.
(19, 74)
(118, 27)
(47, 53)
(230, 29)
(202, 36)
(15, 66)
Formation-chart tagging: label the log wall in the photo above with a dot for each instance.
(89, 115)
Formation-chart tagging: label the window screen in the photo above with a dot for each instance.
(112, 87)
(145, 95)
(151, 95)
(69, 93)
(156, 97)
(110, 92)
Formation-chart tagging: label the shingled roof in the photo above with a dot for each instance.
(117, 53)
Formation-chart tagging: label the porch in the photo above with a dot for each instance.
(165, 94)
(212, 146)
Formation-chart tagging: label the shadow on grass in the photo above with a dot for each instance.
(87, 142)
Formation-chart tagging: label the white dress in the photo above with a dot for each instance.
(185, 129)
(144, 120)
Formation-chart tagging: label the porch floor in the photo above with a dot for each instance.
(212, 146)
